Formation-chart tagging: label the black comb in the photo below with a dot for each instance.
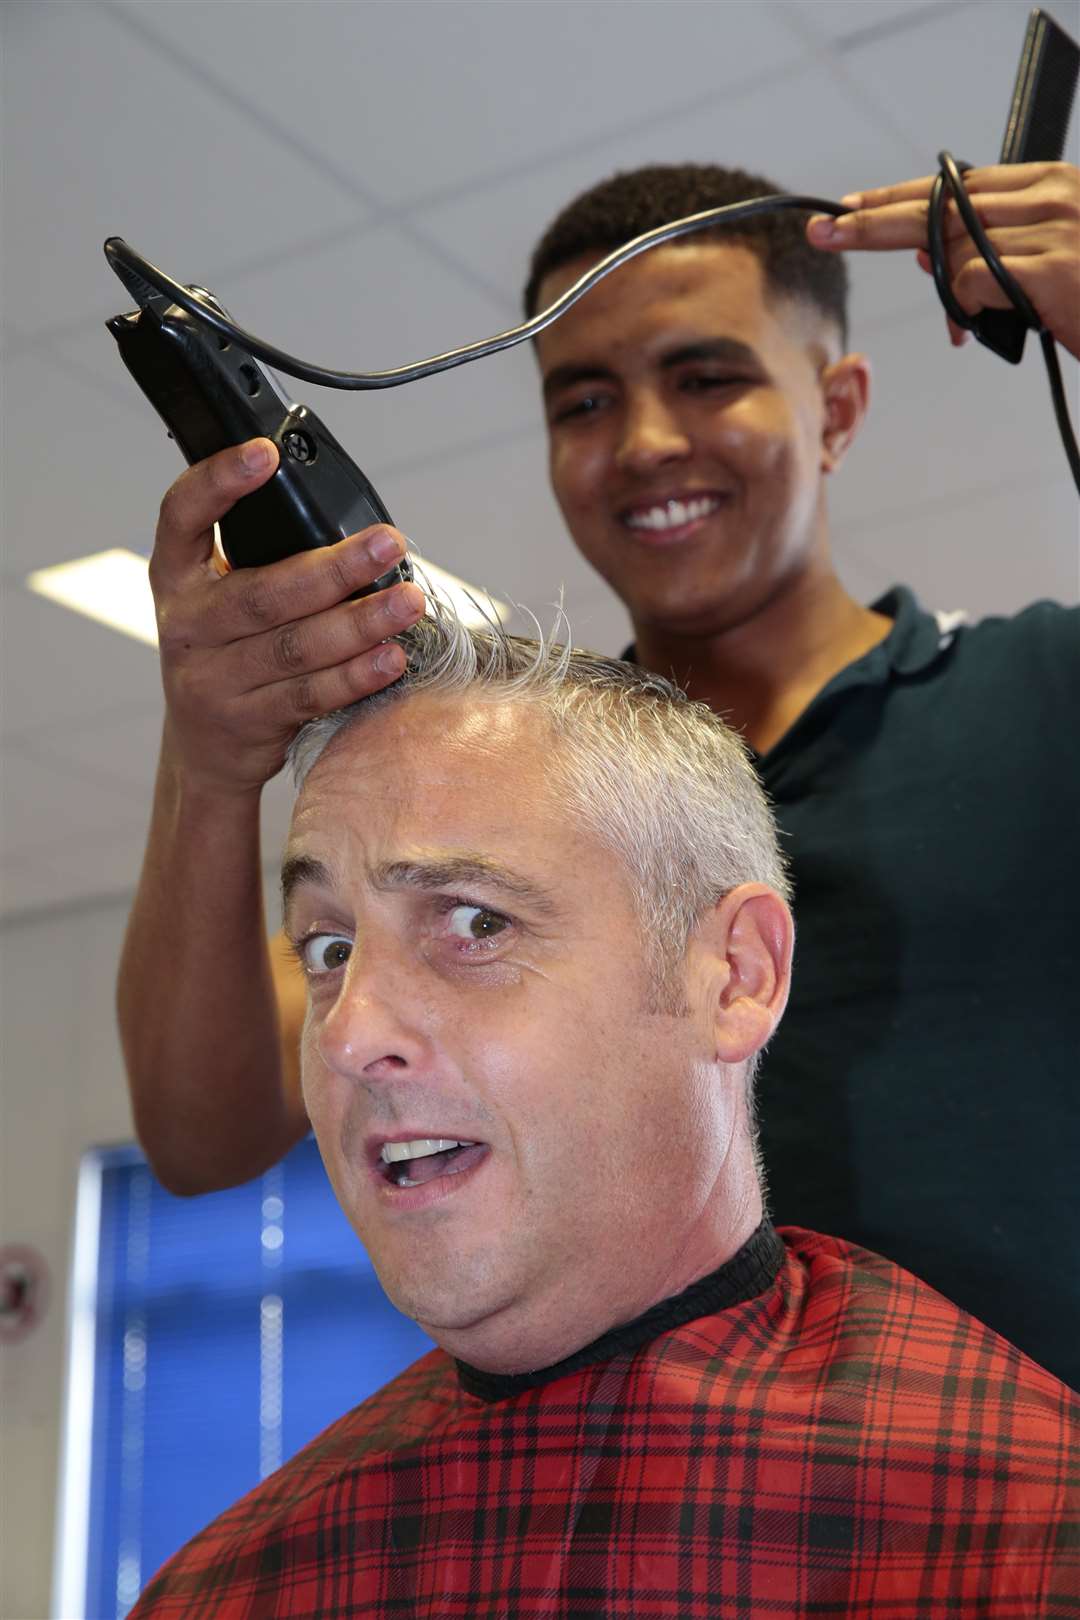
(1037, 126)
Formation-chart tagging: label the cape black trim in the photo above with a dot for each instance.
(749, 1272)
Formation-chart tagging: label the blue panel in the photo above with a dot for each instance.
(232, 1328)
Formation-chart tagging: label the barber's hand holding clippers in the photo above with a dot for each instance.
(1031, 213)
(248, 656)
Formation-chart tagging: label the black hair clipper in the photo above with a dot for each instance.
(211, 394)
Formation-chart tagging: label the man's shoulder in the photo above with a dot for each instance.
(973, 673)
(1037, 625)
(918, 636)
(871, 1328)
(407, 1412)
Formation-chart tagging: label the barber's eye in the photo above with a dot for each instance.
(476, 922)
(702, 382)
(587, 405)
(325, 953)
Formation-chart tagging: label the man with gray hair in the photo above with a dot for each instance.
(539, 904)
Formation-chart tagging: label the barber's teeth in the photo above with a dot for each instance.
(394, 1152)
(672, 514)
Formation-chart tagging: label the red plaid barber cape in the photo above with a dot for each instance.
(829, 1437)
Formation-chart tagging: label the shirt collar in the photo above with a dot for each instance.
(917, 637)
(749, 1272)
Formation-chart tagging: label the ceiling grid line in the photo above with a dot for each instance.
(826, 55)
(318, 160)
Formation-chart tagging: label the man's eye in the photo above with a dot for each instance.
(587, 405)
(476, 923)
(325, 953)
(703, 382)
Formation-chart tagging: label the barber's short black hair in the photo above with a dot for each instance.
(630, 203)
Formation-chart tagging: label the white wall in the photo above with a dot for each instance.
(61, 1090)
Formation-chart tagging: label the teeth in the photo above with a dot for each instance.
(394, 1152)
(672, 514)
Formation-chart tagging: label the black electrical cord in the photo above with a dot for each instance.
(138, 274)
(950, 179)
(1061, 409)
(145, 281)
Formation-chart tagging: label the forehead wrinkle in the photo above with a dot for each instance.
(449, 871)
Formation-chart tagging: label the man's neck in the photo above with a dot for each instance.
(540, 1332)
(742, 1276)
(762, 673)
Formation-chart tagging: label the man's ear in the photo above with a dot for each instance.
(748, 938)
(845, 386)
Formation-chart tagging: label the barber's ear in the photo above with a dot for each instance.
(846, 392)
(748, 937)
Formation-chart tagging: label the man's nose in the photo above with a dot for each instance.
(376, 1028)
(652, 434)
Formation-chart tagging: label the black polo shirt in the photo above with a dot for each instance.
(922, 1094)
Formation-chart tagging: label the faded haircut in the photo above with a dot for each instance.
(638, 200)
(658, 779)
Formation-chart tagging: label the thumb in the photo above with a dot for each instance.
(201, 497)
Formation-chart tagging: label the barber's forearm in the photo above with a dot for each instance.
(195, 998)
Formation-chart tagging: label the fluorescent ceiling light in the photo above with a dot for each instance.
(114, 588)
(110, 586)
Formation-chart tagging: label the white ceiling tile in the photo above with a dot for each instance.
(943, 420)
(838, 146)
(490, 517)
(42, 805)
(112, 140)
(57, 667)
(116, 751)
(86, 460)
(949, 82)
(83, 865)
(425, 96)
(854, 20)
(989, 551)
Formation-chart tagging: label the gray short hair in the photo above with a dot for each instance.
(660, 780)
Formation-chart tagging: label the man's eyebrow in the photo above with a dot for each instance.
(462, 872)
(300, 869)
(730, 351)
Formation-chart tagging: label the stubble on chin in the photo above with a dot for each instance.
(451, 1296)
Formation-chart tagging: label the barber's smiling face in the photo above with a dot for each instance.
(688, 432)
(477, 976)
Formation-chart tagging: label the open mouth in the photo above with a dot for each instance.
(413, 1164)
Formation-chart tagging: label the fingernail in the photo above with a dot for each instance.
(389, 661)
(824, 228)
(852, 200)
(254, 457)
(384, 546)
(403, 604)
